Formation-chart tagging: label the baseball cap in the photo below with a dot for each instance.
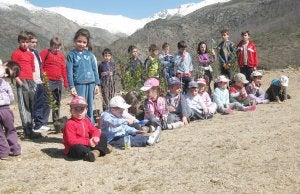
(256, 74)
(173, 81)
(201, 81)
(151, 82)
(119, 102)
(240, 77)
(78, 101)
(193, 84)
(222, 78)
(284, 80)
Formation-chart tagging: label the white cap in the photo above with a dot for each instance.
(284, 80)
(256, 74)
(119, 102)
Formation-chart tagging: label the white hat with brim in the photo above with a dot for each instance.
(119, 102)
(222, 78)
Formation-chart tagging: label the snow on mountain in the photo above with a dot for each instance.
(112, 23)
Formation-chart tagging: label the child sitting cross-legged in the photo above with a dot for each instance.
(221, 97)
(212, 106)
(254, 89)
(238, 91)
(81, 138)
(116, 126)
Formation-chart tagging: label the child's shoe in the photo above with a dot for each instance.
(152, 139)
(266, 101)
(175, 125)
(151, 129)
(92, 155)
(250, 108)
(109, 149)
(228, 111)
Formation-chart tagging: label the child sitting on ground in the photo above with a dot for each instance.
(212, 106)
(179, 111)
(278, 90)
(81, 138)
(196, 103)
(221, 98)
(116, 126)
(254, 90)
(238, 91)
(8, 133)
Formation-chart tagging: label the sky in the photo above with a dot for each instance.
(135, 9)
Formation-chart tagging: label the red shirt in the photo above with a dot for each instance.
(252, 55)
(26, 61)
(54, 66)
(79, 132)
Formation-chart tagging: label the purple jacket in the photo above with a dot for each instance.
(6, 94)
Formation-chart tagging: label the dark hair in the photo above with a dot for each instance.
(225, 31)
(199, 45)
(245, 32)
(131, 48)
(82, 32)
(55, 41)
(153, 47)
(13, 69)
(31, 35)
(181, 44)
(23, 35)
(165, 45)
(106, 51)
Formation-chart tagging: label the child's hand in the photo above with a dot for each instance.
(171, 108)
(185, 120)
(94, 141)
(74, 92)
(97, 89)
(205, 111)
(129, 121)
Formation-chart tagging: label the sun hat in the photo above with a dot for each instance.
(222, 78)
(193, 84)
(151, 82)
(239, 77)
(173, 81)
(201, 81)
(78, 101)
(256, 74)
(119, 102)
(284, 80)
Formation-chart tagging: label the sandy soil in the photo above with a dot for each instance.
(247, 152)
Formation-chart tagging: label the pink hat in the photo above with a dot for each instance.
(201, 81)
(151, 82)
(222, 78)
(78, 101)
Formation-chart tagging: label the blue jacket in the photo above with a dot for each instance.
(81, 68)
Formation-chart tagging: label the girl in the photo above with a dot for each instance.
(212, 106)
(82, 72)
(107, 73)
(254, 90)
(156, 108)
(204, 68)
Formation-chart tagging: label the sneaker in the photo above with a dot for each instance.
(42, 129)
(266, 101)
(152, 139)
(177, 124)
(4, 158)
(250, 108)
(151, 129)
(91, 155)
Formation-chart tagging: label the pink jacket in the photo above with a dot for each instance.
(156, 108)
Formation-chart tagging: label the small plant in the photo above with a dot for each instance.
(51, 101)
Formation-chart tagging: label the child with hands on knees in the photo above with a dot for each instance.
(82, 140)
(238, 91)
(212, 106)
(254, 89)
(116, 126)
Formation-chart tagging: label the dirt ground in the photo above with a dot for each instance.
(247, 152)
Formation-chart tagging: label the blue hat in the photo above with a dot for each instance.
(193, 84)
(174, 81)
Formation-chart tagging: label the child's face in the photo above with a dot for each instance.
(202, 88)
(117, 111)
(23, 44)
(182, 50)
(202, 48)
(81, 43)
(55, 48)
(225, 36)
(134, 53)
(175, 89)
(107, 57)
(152, 94)
(240, 84)
(166, 50)
(193, 91)
(33, 43)
(257, 80)
(78, 112)
(154, 53)
(222, 85)
(246, 37)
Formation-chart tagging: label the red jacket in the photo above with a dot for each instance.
(26, 60)
(252, 55)
(79, 132)
(54, 66)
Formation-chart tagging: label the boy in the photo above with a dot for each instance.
(177, 105)
(152, 64)
(184, 65)
(25, 84)
(167, 61)
(226, 54)
(277, 91)
(116, 126)
(238, 91)
(246, 55)
(81, 138)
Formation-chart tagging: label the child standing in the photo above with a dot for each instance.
(151, 65)
(167, 61)
(226, 54)
(238, 91)
(221, 98)
(254, 89)
(8, 134)
(107, 74)
(212, 106)
(54, 67)
(81, 70)
(277, 91)
(116, 126)
(183, 65)
(81, 138)
(177, 104)
(247, 55)
(25, 84)
(204, 68)
(134, 61)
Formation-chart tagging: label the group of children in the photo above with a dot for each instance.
(190, 96)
